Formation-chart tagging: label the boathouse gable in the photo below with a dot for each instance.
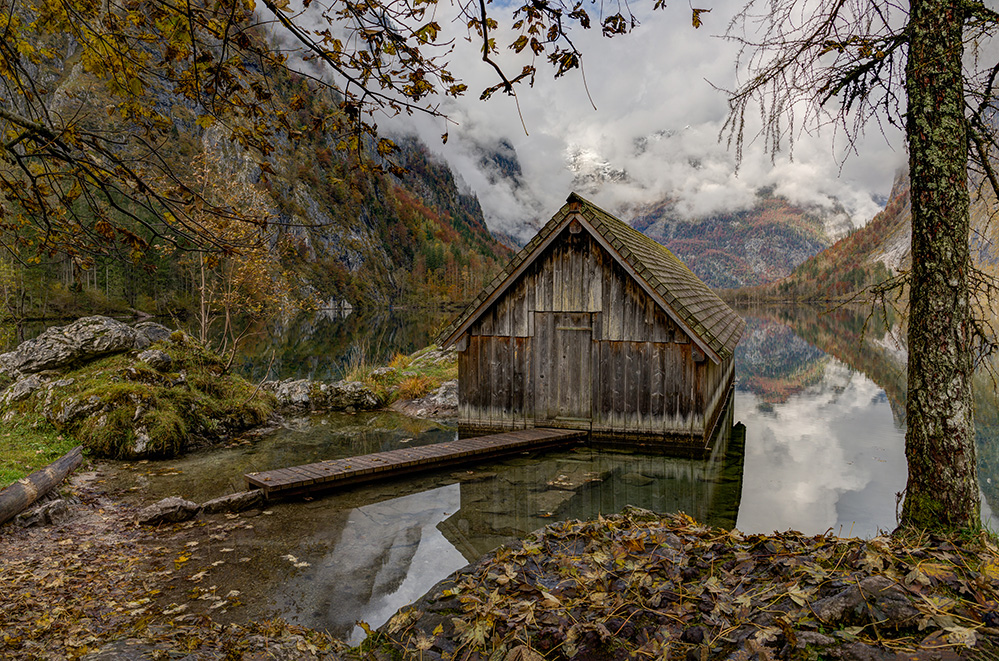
(590, 327)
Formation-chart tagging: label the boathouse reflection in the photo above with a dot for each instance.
(501, 507)
(389, 553)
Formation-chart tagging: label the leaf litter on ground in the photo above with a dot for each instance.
(640, 585)
(635, 585)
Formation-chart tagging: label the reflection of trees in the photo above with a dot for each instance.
(321, 346)
(852, 335)
(987, 438)
(774, 363)
(856, 337)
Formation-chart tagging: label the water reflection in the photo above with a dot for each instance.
(822, 394)
(830, 456)
(820, 399)
(389, 553)
(386, 554)
(324, 345)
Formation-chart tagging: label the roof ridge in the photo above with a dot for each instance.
(687, 296)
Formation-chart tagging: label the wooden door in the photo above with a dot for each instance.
(563, 388)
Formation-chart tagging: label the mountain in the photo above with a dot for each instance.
(347, 226)
(743, 248)
(865, 257)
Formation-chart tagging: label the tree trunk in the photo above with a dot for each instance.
(942, 488)
(19, 496)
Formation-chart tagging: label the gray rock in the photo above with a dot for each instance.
(434, 357)
(291, 392)
(441, 403)
(234, 502)
(350, 395)
(382, 372)
(153, 331)
(168, 510)
(317, 395)
(21, 389)
(158, 360)
(142, 440)
(73, 409)
(46, 514)
(84, 339)
(875, 599)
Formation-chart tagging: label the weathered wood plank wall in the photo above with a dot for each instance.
(577, 343)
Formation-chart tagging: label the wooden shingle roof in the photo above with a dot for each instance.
(681, 294)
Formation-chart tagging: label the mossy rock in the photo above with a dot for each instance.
(121, 408)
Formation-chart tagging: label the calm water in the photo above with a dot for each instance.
(814, 442)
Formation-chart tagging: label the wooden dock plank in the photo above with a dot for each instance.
(331, 473)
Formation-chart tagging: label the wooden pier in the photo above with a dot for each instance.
(335, 473)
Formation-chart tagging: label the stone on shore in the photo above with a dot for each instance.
(84, 339)
(168, 510)
(234, 502)
(321, 396)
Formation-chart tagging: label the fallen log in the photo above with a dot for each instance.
(19, 496)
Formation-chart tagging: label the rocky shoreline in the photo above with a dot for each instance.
(100, 377)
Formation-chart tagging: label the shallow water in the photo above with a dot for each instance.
(819, 447)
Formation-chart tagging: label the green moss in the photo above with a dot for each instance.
(27, 445)
(124, 402)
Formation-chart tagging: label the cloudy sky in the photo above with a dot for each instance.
(656, 86)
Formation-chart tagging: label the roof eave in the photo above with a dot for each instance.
(512, 277)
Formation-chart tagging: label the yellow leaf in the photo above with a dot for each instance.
(697, 16)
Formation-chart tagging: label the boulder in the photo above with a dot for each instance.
(320, 396)
(168, 510)
(434, 356)
(48, 513)
(158, 360)
(291, 392)
(234, 502)
(84, 339)
(350, 396)
(153, 331)
(73, 409)
(441, 403)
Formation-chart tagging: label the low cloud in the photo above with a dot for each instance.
(653, 135)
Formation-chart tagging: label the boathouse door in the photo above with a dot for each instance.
(562, 387)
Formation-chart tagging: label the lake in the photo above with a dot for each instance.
(813, 441)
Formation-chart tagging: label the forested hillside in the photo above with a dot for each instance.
(743, 248)
(865, 257)
(874, 253)
(334, 218)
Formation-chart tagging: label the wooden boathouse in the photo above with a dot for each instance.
(594, 326)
